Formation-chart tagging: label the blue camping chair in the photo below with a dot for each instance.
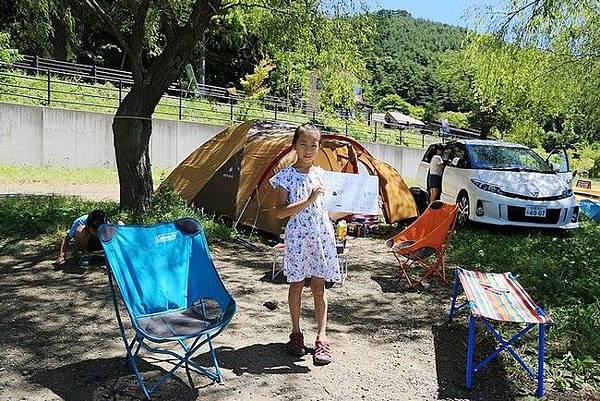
(171, 290)
(590, 208)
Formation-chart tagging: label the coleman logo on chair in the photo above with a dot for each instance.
(165, 238)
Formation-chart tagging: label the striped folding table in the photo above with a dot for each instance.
(499, 297)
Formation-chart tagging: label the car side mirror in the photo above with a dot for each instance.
(455, 161)
(555, 167)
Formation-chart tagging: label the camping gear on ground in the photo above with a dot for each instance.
(84, 261)
(171, 290)
(361, 225)
(229, 174)
(590, 208)
(500, 297)
(425, 242)
(421, 198)
(341, 231)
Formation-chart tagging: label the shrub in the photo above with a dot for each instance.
(167, 205)
(46, 218)
(394, 103)
(527, 132)
(455, 118)
(7, 54)
(416, 111)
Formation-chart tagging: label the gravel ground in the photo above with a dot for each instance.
(60, 339)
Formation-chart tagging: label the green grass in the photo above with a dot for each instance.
(44, 219)
(59, 175)
(20, 88)
(561, 270)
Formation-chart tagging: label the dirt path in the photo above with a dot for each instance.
(87, 191)
(60, 339)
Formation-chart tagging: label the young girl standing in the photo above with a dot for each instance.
(309, 239)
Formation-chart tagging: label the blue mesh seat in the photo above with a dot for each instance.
(171, 290)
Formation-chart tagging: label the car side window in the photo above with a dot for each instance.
(456, 156)
(559, 160)
(460, 156)
(428, 154)
(448, 153)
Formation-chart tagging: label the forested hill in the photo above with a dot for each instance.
(404, 53)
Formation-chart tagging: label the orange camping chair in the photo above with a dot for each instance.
(425, 241)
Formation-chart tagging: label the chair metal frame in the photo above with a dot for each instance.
(278, 257)
(434, 267)
(189, 350)
(190, 344)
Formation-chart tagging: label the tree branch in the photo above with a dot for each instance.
(111, 26)
(202, 11)
(136, 40)
(253, 5)
(168, 20)
(511, 15)
(167, 67)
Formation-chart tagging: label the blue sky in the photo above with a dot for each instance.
(455, 12)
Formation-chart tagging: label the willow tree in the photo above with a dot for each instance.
(325, 42)
(538, 69)
(569, 31)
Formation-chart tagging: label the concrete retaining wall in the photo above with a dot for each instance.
(42, 136)
(405, 160)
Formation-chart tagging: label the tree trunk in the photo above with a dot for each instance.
(132, 127)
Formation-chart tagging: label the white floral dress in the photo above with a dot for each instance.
(309, 237)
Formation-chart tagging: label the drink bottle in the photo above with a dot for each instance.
(341, 230)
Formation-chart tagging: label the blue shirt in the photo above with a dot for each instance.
(80, 221)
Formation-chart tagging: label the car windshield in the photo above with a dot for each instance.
(506, 158)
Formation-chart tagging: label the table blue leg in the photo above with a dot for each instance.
(541, 350)
(470, 352)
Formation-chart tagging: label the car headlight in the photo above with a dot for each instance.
(487, 187)
(567, 193)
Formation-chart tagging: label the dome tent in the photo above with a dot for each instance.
(229, 174)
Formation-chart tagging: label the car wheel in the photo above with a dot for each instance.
(463, 208)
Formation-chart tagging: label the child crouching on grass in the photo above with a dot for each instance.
(84, 231)
(310, 251)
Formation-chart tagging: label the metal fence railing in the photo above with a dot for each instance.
(125, 78)
(39, 81)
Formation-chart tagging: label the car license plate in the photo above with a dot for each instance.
(535, 211)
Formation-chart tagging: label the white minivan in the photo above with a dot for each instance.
(502, 183)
